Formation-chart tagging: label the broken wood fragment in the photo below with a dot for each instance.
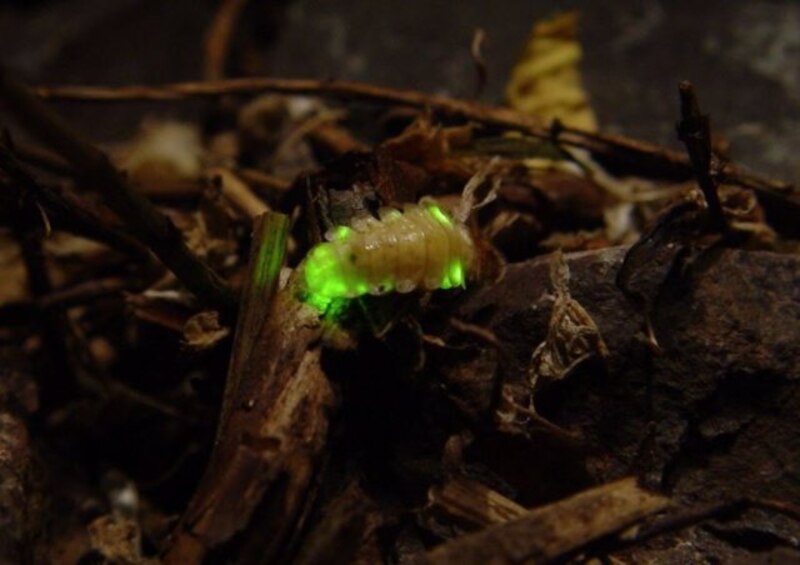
(473, 503)
(556, 530)
(274, 420)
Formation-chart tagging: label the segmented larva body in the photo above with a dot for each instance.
(420, 247)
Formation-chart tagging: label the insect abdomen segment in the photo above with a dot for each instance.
(420, 247)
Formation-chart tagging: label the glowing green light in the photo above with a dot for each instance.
(341, 233)
(328, 275)
(332, 308)
(454, 276)
(456, 273)
(439, 215)
(318, 301)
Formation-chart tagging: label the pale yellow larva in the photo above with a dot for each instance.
(418, 247)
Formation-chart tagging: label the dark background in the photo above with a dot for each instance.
(743, 56)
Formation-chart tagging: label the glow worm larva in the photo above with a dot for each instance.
(419, 247)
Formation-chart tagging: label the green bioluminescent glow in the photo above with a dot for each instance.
(325, 275)
(341, 233)
(439, 215)
(331, 273)
(454, 276)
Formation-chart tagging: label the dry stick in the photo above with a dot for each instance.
(76, 295)
(468, 501)
(637, 156)
(481, 69)
(42, 159)
(47, 161)
(695, 515)
(264, 181)
(345, 526)
(28, 230)
(237, 192)
(84, 292)
(274, 421)
(553, 531)
(694, 130)
(72, 218)
(218, 38)
(145, 221)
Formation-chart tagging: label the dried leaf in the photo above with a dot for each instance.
(429, 146)
(203, 331)
(546, 81)
(572, 336)
(117, 539)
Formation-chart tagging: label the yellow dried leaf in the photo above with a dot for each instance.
(546, 80)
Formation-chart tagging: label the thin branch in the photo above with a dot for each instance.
(11, 313)
(59, 377)
(263, 181)
(42, 159)
(694, 130)
(82, 293)
(637, 156)
(696, 515)
(237, 192)
(481, 69)
(555, 531)
(72, 217)
(217, 44)
(145, 221)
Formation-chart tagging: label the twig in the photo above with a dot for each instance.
(237, 192)
(59, 375)
(274, 421)
(76, 295)
(42, 159)
(694, 131)
(554, 531)
(473, 503)
(87, 291)
(696, 515)
(264, 181)
(481, 70)
(218, 38)
(73, 218)
(47, 161)
(335, 140)
(145, 221)
(305, 128)
(637, 156)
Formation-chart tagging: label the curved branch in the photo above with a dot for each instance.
(637, 156)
